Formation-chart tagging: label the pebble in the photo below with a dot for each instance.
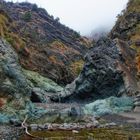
(75, 131)
(34, 126)
(64, 126)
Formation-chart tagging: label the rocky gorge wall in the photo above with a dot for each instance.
(18, 88)
(43, 44)
(30, 62)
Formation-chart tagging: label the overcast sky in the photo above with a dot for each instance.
(83, 16)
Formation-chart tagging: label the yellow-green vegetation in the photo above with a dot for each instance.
(27, 16)
(134, 38)
(53, 59)
(62, 48)
(136, 33)
(36, 80)
(77, 66)
(134, 6)
(97, 134)
(11, 37)
(3, 28)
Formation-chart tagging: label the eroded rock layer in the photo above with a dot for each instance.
(109, 70)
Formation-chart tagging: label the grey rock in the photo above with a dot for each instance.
(34, 126)
(137, 109)
(110, 105)
(137, 103)
(104, 74)
(15, 87)
(12, 80)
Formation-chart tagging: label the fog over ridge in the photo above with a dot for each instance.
(84, 16)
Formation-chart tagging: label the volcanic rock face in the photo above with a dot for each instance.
(105, 73)
(127, 25)
(112, 69)
(12, 81)
(13, 84)
(43, 43)
(17, 87)
(127, 28)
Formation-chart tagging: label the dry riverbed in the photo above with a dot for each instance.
(125, 126)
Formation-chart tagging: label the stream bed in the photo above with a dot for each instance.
(85, 134)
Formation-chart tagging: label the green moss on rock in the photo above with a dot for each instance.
(36, 80)
(109, 106)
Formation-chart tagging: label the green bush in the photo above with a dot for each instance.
(27, 16)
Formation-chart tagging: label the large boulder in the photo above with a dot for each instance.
(111, 105)
(109, 70)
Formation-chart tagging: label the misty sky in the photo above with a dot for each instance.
(83, 16)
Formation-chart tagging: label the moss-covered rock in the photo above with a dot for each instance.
(109, 106)
(36, 80)
(15, 90)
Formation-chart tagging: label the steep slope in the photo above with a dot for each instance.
(127, 28)
(42, 42)
(15, 91)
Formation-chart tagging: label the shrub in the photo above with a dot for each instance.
(76, 67)
(35, 8)
(76, 35)
(27, 16)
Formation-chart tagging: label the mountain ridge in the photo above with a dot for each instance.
(40, 37)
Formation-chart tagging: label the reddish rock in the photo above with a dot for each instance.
(3, 101)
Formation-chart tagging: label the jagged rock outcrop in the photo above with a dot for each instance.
(17, 88)
(42, 42)
(109, 70)
(14, 90)
(13, 83)
(127, 28)
(127, 25)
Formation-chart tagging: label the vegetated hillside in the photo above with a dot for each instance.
(128, 28)
(42, 42)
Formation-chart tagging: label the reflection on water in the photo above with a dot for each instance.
(95, 134)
